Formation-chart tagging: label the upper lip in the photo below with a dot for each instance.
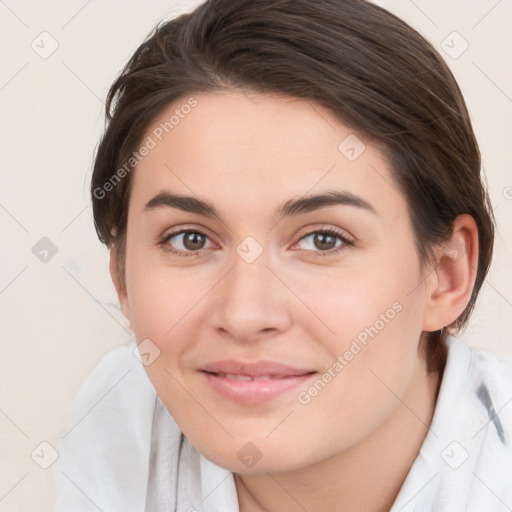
(254, 369)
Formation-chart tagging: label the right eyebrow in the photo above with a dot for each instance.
(185, 203)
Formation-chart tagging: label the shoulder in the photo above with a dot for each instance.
(117, 372)
(496, 372)
(465, 461)
(492, 387)
(476, 457)
(485, 388)
(107, 435)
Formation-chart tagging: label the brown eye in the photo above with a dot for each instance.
(185, 241)
(193, 241)
(323, 241)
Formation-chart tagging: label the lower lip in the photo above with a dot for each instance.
(254, 391)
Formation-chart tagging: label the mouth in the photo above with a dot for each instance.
(253, 383)
(246, 378)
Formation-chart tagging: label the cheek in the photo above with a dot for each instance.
(358, 300)
(162, 311)
(370, 328)
(161, 298)
(372, 363)
(167, 308)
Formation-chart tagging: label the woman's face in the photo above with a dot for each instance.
(331, 288)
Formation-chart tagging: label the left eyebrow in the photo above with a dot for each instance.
(324, 200)
(290, 208)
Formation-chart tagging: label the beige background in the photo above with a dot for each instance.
(58, 318)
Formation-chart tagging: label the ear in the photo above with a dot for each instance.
(450, 284)
(119, 284)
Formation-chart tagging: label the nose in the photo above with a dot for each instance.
(251, 303)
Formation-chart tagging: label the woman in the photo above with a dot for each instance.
(291, 195)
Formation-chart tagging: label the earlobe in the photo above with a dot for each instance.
(119, 284)
(450, 285)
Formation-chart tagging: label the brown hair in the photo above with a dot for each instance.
(369, 68)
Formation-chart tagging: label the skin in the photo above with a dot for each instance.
(352, 445)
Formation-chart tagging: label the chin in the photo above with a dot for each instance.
(252, 458)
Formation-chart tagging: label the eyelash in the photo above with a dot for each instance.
(347, 242)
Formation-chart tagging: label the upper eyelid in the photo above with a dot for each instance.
(168, 235)
(170, 232)
(334, 231)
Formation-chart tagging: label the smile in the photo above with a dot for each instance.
(248, 377)
(254, 389)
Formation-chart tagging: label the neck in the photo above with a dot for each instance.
(368, 476)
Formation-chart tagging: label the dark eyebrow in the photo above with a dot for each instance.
(316, 202)
(185, 203)
(288, 209)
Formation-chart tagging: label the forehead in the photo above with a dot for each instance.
(235, 148)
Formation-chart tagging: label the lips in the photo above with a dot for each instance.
(234, 376)
(271, 369)
(253, 383)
